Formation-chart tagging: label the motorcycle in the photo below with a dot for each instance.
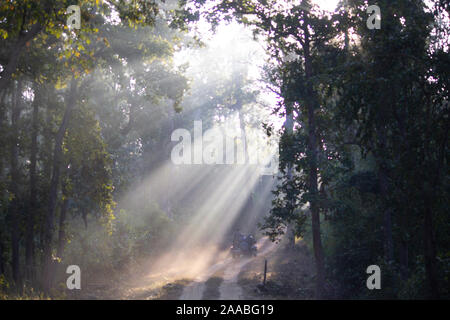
(245, 247)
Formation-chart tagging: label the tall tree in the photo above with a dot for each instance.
(395, 105)
(300, 30)
(14, 210)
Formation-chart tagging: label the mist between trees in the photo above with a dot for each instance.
(357, 117)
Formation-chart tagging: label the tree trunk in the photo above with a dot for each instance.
(384, 188)
(431, 191)
(62, 224)
(2, 125)
(311, 102)
(14, 185)
(430, 252)
(244, 136)
(346, 27)
(315, 215)
(2, 262)
(29, 238)
(289, 125)
(47, 146)
(57, 159)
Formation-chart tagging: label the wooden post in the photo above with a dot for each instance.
(265, 272)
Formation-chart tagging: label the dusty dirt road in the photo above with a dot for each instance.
(229, 288)
(147, 286)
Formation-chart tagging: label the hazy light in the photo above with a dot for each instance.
(212, 197)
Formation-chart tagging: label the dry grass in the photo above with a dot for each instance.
(289, 275)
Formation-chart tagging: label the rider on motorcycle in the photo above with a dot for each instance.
(243, 244)
(251, 240)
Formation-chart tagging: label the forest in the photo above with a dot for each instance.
(138, 138)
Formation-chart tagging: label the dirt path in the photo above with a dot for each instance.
(229, 288)
(290, 274)
(219, 281)
(194, 291)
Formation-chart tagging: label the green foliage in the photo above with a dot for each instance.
(364, 144)
(127, 46)
(385, 93)
(138, 232)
